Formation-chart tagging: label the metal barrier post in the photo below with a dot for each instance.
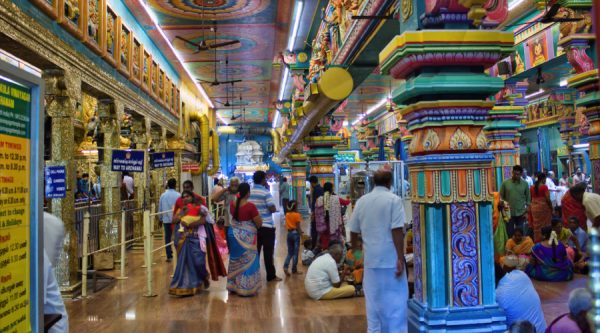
(123, 254)
(148, 241)
(84, 255)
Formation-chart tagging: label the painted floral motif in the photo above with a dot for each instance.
(432, 140)
(417, 252)
(465, 271)
(482, 142)
(460, 140)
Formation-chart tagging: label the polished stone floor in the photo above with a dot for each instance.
(280, 306)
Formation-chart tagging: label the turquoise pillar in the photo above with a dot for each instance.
(441, 54)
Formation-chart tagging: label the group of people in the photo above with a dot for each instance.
(538, 236)
(248, 226)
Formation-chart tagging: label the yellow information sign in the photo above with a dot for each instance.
(15, 113)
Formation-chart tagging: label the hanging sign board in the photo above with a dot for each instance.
(55, 182)
(127, 161)
(190, 167)
(163, 160)
(15, 168)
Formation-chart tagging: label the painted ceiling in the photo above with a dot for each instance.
(262, 28)
(368, 94)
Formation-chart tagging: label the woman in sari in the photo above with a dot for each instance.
(549, 260)
(190, 273)
(518, 250)
(540, 213)
(244, 267)
(328, 216)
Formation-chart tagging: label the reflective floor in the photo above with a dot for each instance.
(280, 306)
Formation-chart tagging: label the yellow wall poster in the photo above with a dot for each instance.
(15, 127)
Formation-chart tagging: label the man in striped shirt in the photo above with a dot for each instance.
(262, 199)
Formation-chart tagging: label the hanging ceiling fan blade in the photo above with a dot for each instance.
(199, 46)
(552, 11)
(217, 45)
(231, 81)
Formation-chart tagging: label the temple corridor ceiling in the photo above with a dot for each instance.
(260, 26)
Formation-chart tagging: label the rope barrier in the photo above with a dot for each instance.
(162, 247)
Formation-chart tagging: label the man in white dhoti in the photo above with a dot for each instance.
(379, 217)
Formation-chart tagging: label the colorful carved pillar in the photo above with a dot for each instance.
(322, 154)
(501, 131)
(63, 92)
(298, 163)
(450, 167)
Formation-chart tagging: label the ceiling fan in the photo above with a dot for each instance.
(550, 17)
(216, 81)
(203, 45)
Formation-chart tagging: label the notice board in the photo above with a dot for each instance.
(19, 205)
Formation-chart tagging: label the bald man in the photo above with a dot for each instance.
(323, 280)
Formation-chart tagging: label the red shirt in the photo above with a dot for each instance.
(179, 202)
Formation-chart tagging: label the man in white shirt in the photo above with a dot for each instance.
(527, 178)
(379, 218)
(128, 181)
(54, 235)
(323, 280)
(551, 187)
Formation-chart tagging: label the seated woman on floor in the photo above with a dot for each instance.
(549, 260)
(518, 250)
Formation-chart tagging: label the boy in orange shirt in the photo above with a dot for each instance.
(292, 224)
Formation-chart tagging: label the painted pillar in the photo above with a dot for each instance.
(63, 92)
(450, 167)
(109, 112)
(298, 163)
(502, 129)
(322, 154)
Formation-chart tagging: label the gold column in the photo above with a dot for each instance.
(141, 133)
(63, 92)
(109, 112)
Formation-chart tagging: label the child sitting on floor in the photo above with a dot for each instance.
(307, 255)
(354, 264)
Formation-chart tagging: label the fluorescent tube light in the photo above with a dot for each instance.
(275, 119)
(297, 15)
(539, 92)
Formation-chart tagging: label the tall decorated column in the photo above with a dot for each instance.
(450, 167)
(298, 163)
(322, 153)
(63, 93)
(503, 127)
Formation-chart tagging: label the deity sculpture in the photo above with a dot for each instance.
(93, 20)
(72, 10)
(110, 31)
(249, 153)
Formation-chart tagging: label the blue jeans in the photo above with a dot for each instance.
(168, 236)
(293, 244)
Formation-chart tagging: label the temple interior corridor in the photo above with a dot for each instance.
(441, 157)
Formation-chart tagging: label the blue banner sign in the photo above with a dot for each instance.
(55, 178)
(127, 161)
(163, 160)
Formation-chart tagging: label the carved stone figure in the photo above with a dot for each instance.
(249, 153)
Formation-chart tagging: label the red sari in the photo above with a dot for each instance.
(572, 207)
(540, 214)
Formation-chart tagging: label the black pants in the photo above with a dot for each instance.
(168, 236)
(313, 231)
(266, 239)
(515, 222)
(284, 203)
